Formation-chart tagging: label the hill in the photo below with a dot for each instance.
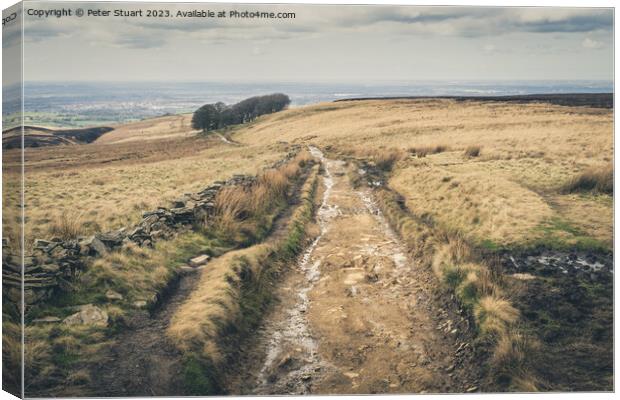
(447, 245)
(36, 136)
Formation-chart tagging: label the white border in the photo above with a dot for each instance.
(489, 3)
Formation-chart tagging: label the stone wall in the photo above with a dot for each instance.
(54, 263)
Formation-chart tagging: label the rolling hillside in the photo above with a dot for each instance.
(370, 246)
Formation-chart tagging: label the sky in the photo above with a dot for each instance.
(361, 44)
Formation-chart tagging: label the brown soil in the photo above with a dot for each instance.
(356, 315)
(143, 362)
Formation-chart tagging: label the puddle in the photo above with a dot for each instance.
(557, 262)
(292, 335)
(396, 250)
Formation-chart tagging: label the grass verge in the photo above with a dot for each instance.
(231, 297)
(59, 356)
(594, 180)
(479, 290)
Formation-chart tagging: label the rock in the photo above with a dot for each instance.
(450, 368)
(135, 232)
(98, 246)
(179, 203)
(186, 269)
(112, 295)
(46, 320)
(92, 243)
(50, 268)
(113, 238)
(88, 315)
(198, 261)
(472, 389)
(40, 243)
(139, 304)
(523, 277)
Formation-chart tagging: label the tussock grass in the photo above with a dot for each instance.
(593, 180)
(67, 225)
(423, 151)
(110, 185)
(478, 290)
(11, 355)
(245, 214)
(383, 158)
(472, 151)
(231, 297)
(144, 274)
(59, 354)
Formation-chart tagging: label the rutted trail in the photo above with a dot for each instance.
(356, 315)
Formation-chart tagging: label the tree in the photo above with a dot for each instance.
(219, 115)
(206, 118)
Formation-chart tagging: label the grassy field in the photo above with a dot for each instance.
(477, 176)
(509, 193)
(79, 190)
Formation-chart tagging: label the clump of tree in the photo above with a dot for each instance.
(219, 115)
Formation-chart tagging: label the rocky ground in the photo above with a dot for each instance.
(356, 315)
(143, 362)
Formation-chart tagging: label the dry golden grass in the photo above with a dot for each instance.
(595, 180)
(495, 314)
(107, 194)
(472, 151)
(216, 303)
(479, 205)
(528, 151)
(423, 151)
(51, 355)
(172, 126)
(139, 273)
(242, 210)
(477, 289)
(67, 225)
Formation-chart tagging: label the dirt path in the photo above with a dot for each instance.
(356, 316)
(143, 362)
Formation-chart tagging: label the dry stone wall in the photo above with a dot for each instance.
(54, 263)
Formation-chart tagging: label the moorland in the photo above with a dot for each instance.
(436, 244)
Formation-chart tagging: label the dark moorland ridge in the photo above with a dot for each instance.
(597, 100)
(35, 136)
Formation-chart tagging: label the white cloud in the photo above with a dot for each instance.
(489, 48)
(591, 43)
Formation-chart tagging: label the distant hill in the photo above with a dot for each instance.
(35, 136)
(164, 127)
(596, 100)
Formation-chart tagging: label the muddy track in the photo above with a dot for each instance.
(356, 315)
(142, 362)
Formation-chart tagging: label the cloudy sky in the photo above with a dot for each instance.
(323, 43)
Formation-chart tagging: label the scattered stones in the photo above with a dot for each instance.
(112, 295)
(56, 262)
(88, 315)
(139, 304)
(199, 261)
(97, 246)
(186, 269)
(581, 264)
(523, 277)
(46, 320)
